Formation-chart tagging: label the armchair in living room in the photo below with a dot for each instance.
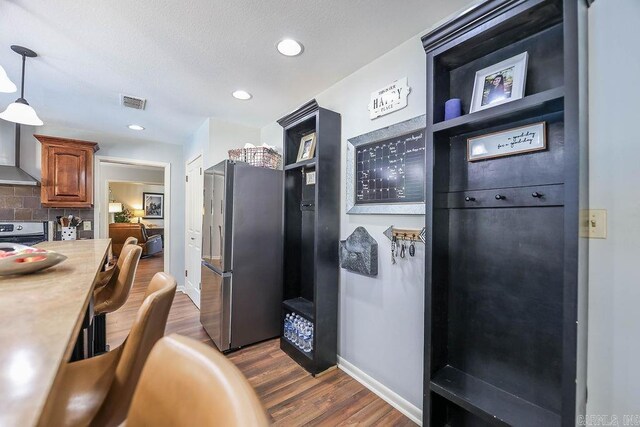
(119, 232)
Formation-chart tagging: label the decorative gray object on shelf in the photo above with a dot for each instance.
(359, 253)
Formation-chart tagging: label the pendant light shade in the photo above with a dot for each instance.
(6, 85)
(21, 112)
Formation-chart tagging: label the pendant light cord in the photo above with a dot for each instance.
(22, 84)
(18, 137)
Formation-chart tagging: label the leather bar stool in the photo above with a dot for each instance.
(110, 274)
(93, 335)
(98, 391)
(187, 383)
(112, 296)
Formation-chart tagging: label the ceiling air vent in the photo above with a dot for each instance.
(133, 102)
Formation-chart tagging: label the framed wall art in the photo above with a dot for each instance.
(153, 205)
(385, 170)
(508, 142)
(500, 83)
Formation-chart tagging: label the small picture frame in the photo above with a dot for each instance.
(153, 205)
(310, 178)
(523, 139)
(307, 147)
(500, 83)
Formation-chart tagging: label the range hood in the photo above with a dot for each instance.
(13, 175)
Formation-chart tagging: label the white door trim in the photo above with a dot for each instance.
(193, 294)
(101, 212)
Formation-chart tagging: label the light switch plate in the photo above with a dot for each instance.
(86, 225)
(593, 224)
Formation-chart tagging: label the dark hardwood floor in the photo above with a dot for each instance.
(290, 395)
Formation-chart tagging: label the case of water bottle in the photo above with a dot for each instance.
(299, 332)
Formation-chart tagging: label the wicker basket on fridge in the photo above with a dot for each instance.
(262, 157)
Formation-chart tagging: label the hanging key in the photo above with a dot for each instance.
(393, 250)
(412, 248)
(402, 249)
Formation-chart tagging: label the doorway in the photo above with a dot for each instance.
(193, 215)
(138, 192)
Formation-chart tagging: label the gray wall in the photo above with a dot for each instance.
(380, 324)
(614, 281)
(7, 142)
(380, 319)
(214, 138)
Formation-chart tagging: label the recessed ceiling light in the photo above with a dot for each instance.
(136, 127)
(241, 94)
(289, 47)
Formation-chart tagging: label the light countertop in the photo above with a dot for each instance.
(40, 318)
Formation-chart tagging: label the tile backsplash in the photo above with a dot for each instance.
(22, 203)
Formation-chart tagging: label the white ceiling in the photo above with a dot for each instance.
(186, 57)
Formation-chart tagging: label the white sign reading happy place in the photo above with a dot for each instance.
(390, 98)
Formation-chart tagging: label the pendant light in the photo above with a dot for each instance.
(6, 85)
(20, 111)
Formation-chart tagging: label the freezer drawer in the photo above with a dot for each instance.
(215, 306)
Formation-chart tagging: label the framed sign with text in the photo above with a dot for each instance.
(508, 142)
(392, 97)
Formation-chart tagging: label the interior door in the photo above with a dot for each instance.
(193, 244)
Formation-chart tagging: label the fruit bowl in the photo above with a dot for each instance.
(21, 259)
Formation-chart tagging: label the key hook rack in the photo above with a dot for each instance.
(408, 234)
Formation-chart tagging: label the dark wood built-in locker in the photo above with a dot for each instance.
(505, 282)
(311, 232)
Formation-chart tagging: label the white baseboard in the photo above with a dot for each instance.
(385, 393)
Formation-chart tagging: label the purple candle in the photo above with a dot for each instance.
(452, 109)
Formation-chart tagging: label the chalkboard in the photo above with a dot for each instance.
(391, 170)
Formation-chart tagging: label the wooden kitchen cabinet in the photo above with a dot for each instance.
(67, 172)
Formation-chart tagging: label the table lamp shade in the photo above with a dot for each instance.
(115, 207)
(138, 213)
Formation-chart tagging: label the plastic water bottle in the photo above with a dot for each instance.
(301, 323)
(287, 326)
(307, 338)
(299, 336)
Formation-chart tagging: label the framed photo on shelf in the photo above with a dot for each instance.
(153, 205)
(307, 147)
(500, 83)
(523, 139)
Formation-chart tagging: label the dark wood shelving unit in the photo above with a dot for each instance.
(505, 329)
(547, 102)
(301, 306)
(488, 402)
(301, 164)
(311, 233)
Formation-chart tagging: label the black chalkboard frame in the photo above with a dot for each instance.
(416, 124)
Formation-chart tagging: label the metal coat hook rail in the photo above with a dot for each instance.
(399, 238)
(408, 234)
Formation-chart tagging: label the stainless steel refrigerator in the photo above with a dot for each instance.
(241, 254)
